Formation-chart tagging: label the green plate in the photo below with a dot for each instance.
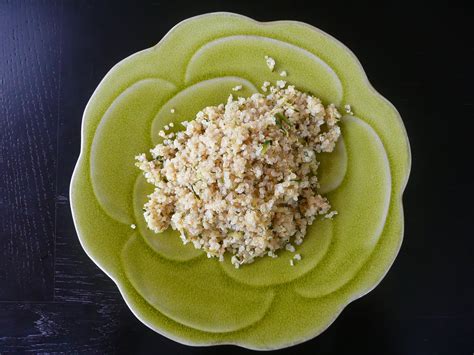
(174, 289)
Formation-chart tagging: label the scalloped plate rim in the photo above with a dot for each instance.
(123, 293)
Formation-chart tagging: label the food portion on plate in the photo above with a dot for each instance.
(243, 176)
(245, 179)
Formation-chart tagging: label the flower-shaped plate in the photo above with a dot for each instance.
(174, 289)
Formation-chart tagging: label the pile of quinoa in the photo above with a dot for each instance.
(242, 176)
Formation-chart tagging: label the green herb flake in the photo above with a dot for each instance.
(159, 158)
(194, 192)
(266, 145)
(236, 235)
(282, 118)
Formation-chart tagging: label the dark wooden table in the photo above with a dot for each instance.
(53, 55)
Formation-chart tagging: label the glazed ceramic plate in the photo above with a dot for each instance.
(174, 289)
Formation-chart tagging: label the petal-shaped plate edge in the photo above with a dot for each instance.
(125, 289)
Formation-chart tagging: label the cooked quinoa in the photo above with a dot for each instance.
(242, 176)
(270, 62)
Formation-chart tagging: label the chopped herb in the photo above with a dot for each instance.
(236, 235)
(279, 124)
(194, 192)
(277, 120)
(266, 145)
(283, 118)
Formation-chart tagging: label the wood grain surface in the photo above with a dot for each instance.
(53, 299)
(29, 111)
